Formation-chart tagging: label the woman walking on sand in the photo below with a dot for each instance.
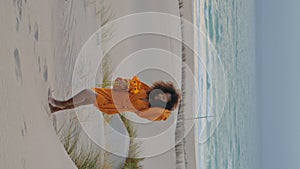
(154, 103)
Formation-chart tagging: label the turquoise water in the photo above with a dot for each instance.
(230, 136)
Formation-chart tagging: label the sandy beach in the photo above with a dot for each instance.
(39, 45)
(34, 55)
(28, 139)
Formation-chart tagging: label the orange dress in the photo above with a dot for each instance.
(110, 101)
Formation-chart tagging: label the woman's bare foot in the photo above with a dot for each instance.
(84, 97)
(54, 109)
(51, 101)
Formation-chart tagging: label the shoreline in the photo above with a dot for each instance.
(203, 111)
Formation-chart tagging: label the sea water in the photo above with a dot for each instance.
(228, 139)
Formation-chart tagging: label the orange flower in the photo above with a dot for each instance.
(135, 85)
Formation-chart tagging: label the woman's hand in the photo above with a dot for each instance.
(121, 84)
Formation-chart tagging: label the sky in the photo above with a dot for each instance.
(278, 58)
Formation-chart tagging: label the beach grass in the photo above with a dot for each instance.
(131, 161)
(89, 158)
(134, 147)
(106, 73)
(84, 158)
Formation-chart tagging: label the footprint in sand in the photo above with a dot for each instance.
(39, 63)
(29, 25)
(17, 25)
(19, 6)
(24, 129)
(45, 74)
(18, 65)
(36, 31)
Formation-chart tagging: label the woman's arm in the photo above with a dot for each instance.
(155, 114)
(124, 84)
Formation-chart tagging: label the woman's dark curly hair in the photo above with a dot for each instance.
(165, 87)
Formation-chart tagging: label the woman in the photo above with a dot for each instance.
(153, 103)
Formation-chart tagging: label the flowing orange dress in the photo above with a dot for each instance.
(110, 101)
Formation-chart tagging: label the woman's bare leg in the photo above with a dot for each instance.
(85, 97)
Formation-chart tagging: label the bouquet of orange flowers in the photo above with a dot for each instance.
(133, 85)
